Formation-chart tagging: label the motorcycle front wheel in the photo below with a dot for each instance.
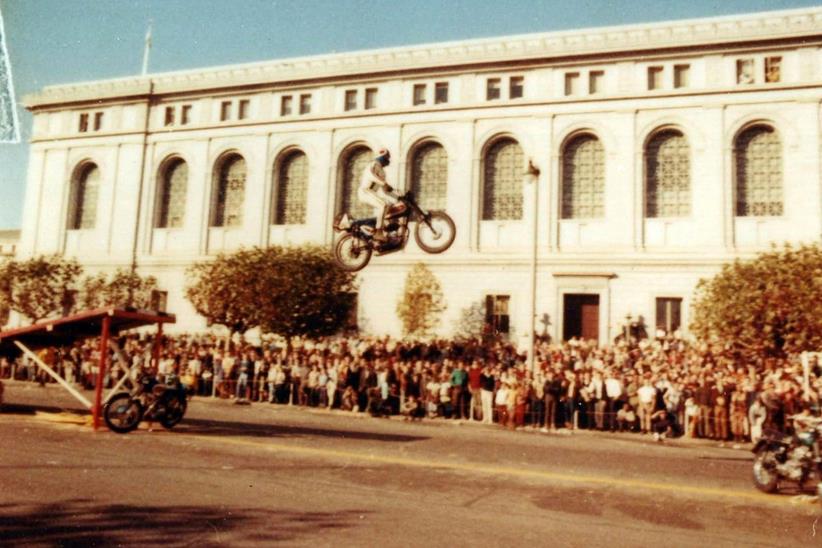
(122, 413)
(765, 477)
(352, 253)
(436, 233)
(175, 409)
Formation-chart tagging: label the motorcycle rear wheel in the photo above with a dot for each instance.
(352, 253)
(122, 413)
(765, 477)
(175, 409)
(437, 233)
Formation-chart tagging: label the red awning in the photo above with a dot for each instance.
(83, 325)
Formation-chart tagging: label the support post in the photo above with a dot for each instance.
(98, 391)
(158, 343)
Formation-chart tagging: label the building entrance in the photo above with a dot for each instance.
(581, 316)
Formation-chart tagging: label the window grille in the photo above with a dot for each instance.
(355, 163)
(497, 316)
(173, 195)
(758, 154)
(668, 175)
(84, 203)
(419, 94)
(583, 179)
(492, 89)
(292, 190)
(441, 93)
(516, 87)
(503, 174)
(230, 193)
(429, 176)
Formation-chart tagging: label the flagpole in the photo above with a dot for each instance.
(147, 49)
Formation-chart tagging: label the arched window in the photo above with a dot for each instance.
(583, 178)
(668, 175)
(758, 159)
(502, 182)
(354, 164)
(83, 203)
(429, 176)
(292, 189)
(171, 201)
(230, 192)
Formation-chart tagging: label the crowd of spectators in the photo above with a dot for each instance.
(666, 386)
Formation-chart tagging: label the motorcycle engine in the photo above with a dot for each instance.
(794, 465)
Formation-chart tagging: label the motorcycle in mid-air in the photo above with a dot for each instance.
(434, 233)
(150, 400)
(792, 457)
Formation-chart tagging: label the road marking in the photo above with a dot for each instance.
(502, 470)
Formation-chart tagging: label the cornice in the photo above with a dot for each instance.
(646, 37)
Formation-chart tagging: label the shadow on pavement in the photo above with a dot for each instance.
(80, 522)
(210, 427)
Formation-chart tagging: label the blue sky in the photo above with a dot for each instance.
(58, 41)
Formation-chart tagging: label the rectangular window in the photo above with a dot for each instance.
(285, 105)
(185, 115)
(419, 94)
(440, 93)
(159, 300)
(571, 83)
(496, 313)
(773, 69)
(169, 117)
(744, 71)
(245, 106)
(516, 87)
(655, 77)
(668, 314)
(305, 103)
(225, 111)
(350, 99)
(371, 98)
(492, 89)
(83, 126)
(682, 76)
(98, 121)
(596, 81)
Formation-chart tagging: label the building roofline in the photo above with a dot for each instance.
(663, 34)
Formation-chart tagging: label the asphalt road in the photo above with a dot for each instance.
(257, 475)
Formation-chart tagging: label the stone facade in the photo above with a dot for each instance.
(664, 151)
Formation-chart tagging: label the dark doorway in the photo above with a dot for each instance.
(581, 317)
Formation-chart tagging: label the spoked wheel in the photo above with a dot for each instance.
(352, 253)
(175, 409)
(122, 413)
(436, 233)
(764, 471)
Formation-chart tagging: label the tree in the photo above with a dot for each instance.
(224, 290)
(6, 278)
(125, 288)
(303, 292)
(471, 322)
(289, 291)
(41, 286)
(422, 302)
(765, 307)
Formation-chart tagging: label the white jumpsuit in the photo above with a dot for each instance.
(372, 190)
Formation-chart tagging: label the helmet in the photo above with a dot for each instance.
(383, 156)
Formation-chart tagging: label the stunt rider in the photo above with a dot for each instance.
(375, 191)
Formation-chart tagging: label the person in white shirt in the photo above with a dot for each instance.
(375, 191)
(647, 400)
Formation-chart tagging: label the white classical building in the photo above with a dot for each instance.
(664, 151)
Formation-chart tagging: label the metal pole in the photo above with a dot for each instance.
(98, 391)
(532, 173)
(71, 390)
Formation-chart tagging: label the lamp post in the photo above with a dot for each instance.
(532, 178)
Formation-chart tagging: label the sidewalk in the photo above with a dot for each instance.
(27, 397)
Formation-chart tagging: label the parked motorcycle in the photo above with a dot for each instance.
(434, 233)
(150, 400)
(792, 457)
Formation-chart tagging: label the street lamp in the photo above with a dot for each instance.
(532, 178)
